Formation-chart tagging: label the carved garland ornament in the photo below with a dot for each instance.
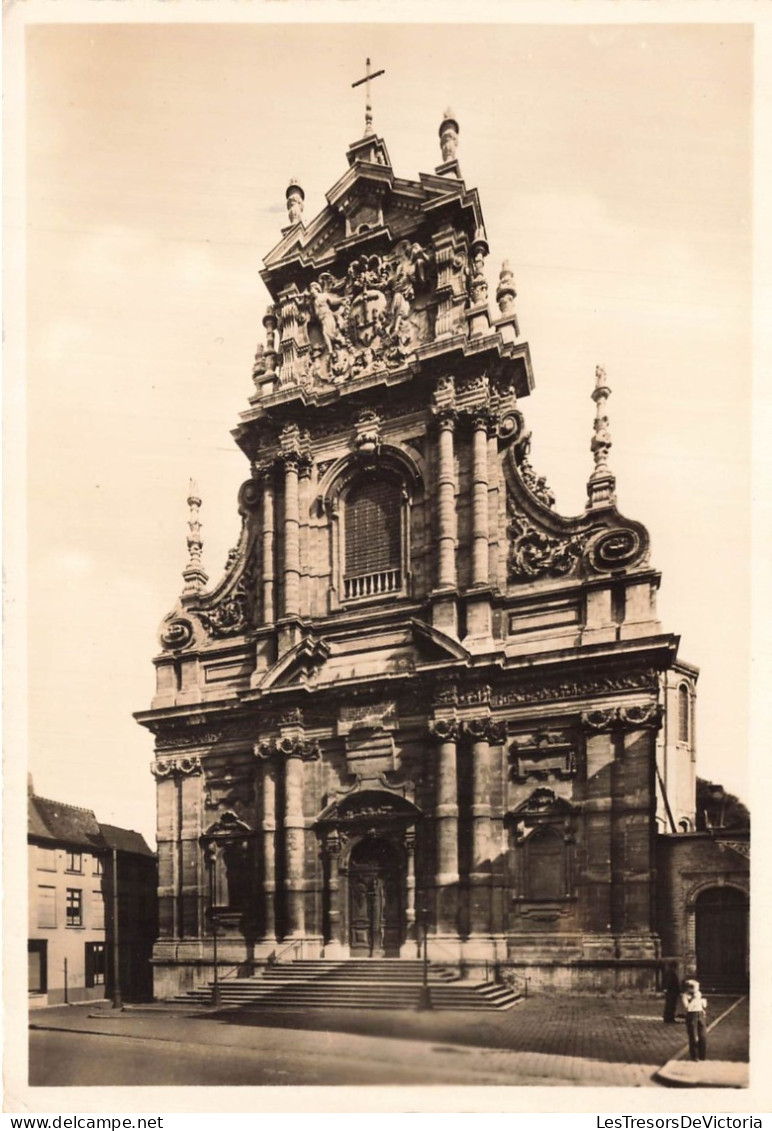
(289, 748)
(532, 553)
(233, 614)
(175, 767)
(639, 716)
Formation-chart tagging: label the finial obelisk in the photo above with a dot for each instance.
(602, 483)
(368, 103)
(194, 573)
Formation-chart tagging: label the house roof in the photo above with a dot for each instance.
(64, 824)
(56, 822)
(125, 840)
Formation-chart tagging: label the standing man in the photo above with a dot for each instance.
(695, 1006)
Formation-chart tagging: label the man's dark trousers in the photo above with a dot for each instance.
(695, 1027)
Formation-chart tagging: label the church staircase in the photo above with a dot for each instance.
(387, 983)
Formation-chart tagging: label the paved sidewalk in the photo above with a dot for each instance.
(585, 1041)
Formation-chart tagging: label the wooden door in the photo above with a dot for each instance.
(721, 938)
(375, 901)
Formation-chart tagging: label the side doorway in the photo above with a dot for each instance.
(721, 939)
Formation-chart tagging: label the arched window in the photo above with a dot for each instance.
(683, 713)
(373, 538)
(545, 865)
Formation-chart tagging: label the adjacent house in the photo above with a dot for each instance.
(73, 865)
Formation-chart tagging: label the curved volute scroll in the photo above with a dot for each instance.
(546, 544)
(228, 609)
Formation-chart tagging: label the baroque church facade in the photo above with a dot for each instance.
(420, 702)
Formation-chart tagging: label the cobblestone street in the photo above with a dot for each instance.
(617, 1030)
(578, 1041)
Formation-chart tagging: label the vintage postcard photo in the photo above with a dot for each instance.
(384, 422)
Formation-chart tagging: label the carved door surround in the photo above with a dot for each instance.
(368, 847)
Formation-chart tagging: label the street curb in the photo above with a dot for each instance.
(703, 1074)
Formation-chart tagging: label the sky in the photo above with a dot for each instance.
(614, 165)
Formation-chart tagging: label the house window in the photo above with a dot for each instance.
(97, 918)
(545, 865)
(46, 858)
(46, 906)
(683, 713)
(74, 907)
(95, 964)
(74, 862)
(99, 866)
(373, 539)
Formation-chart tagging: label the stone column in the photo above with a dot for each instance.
(294, 844)
(481, 732)
(446, 492)
(411, 940)
(493, 508)
(333, 945)
(269, 612)
(480, 423)
(291, 563)
(445, 732)
(304, 471)
(268, 830)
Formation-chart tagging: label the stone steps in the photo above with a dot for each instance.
(356, 984)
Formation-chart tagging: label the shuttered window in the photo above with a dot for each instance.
(46, 858)
(373, 540)
(46, 906)
(97, 909)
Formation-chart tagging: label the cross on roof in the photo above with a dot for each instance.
(368, 105)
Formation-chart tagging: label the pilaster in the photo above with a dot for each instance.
(479, 733)
(292, 750)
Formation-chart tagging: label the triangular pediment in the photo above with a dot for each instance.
(366, 199)
(377, 653)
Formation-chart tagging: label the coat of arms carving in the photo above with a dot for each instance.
(372, 318)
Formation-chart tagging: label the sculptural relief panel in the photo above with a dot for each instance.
(372, 318)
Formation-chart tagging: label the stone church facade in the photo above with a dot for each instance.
(420, 701)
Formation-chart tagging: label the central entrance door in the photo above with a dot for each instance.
(375, 900)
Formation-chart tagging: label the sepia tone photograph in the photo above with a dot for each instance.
(387, 464)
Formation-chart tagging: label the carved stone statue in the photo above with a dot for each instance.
(325, 305)
(258, 368)
(420, 262)
(295, 200)
(478, 285)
